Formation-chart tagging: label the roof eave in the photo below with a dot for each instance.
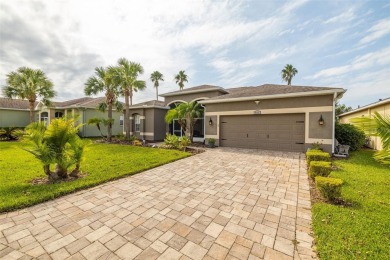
(366, 107)
(288, 95)
(142, 107)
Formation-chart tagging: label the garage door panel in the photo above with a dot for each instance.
(271, 132)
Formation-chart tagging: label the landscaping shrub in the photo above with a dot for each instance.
(348, 134)
(184, 142)
(319, 169)
(171, 141)
(317, 155)
(330, 188)
(10, 133)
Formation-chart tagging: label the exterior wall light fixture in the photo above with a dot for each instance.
(321, 120)
(210, 122)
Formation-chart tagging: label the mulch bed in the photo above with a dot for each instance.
(45, 180)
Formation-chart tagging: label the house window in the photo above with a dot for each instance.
(137, 123)
(44, 117)
(121, 121)
(58, 114)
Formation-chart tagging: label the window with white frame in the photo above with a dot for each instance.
(137, 120)
(44, 117)
(121, 121)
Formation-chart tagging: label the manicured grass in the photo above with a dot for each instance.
(103, 162)
(360, 231)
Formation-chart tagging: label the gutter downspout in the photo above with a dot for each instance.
(143, 125)
(334, 120)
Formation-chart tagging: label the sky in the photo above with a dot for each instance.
(334, 43)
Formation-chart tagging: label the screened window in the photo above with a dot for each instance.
(58, 114)
(121, 120)
(137, 123)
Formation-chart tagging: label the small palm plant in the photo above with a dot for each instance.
(186, 115)
(56, 144)
(378, 125)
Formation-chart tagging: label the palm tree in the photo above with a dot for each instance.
(126, 74)
(186, 114)
(103, 82)
(181, 78)
(155, 77)
(27, 83)
(288, 73)
(57, 144)
(378, 125)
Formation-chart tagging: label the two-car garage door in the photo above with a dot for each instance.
(280, 132)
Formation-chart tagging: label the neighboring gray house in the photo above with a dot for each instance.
(271, 117)
(15, 112)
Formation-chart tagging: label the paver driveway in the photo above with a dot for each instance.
(222, 204)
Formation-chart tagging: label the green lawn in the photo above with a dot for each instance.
(360, 231)
(103, 162)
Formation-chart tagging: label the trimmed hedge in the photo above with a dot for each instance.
(330, 188)
(317, 155)
(348, 134)
(319, 169)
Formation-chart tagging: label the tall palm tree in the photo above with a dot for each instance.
(155, 77)
(126, 75)
(288, 73)
(378, 125)
(180, 78)
(186, 114)
(103, 81)
(27, 83)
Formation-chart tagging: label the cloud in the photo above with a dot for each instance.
(344, 17)
(381, 57)
(379, 30)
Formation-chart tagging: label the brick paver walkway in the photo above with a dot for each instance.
(221, 204)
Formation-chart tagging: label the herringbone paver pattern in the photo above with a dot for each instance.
(221, 204)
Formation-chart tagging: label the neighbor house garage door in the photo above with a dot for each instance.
(283, 132)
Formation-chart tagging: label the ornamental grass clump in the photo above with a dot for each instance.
(317, 155)
(330, 188)
(318, 168)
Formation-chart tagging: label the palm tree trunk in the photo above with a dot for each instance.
(32, 119)
(127, 115)
(156, 93)
(109, 126)
(131, 96)
(289, 82)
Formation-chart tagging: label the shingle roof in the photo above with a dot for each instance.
(80, 102)
(88, 102)
(71, 102)
(150, 103)
(194, 89)
(269, 89)
(374, 104)
(15, 103)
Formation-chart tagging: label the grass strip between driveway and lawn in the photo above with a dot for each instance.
(103, 162)
(362, 230)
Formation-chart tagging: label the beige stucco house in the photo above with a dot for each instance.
(15, 113)
(382, 106)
